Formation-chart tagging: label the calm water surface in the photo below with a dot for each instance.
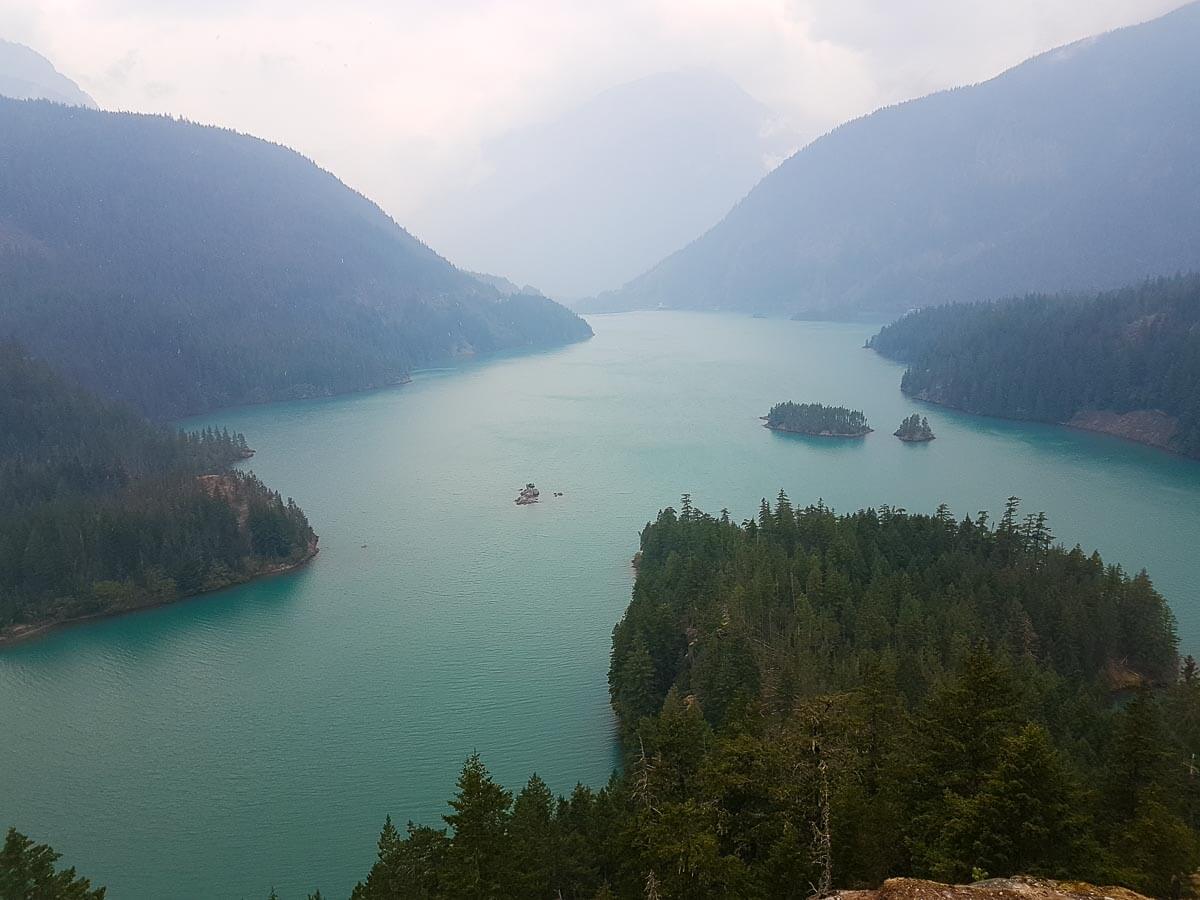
(257, 737)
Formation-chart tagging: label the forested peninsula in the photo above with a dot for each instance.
(809, 700)
(102, 511)
(1122, 362)
(817, 419)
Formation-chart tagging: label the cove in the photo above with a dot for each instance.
(257, 737)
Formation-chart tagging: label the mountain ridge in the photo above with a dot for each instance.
(27, 75)
(182, 267)
(969, 193)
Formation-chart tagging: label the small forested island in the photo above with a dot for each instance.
(1123, 362)
(915, 429)
(808, 698)
(102, 511)
(817, 419)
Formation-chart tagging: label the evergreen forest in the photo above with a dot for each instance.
(914, 428)
(816, 418)
(1049, 358)
(808, 700)
(181, 268)
(101, 510)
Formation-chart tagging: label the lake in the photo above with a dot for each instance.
(258, 737)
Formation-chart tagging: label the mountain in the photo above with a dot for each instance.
(181, 267)
(505, 286)
(27, 75)
(1077, 170)
(589, 199)
(102, 511)
(1124, 362)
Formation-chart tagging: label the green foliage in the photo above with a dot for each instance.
(179, 268)
(100, 510)
(479, 855)
(28, 872)
(914, 428)
(816, 418)
(1048, 358)
(814, 699)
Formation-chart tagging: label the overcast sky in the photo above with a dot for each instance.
(396, 98)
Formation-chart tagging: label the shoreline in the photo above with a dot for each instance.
(17, 634)
(1069, 425)
(829, 434)
(449, 362)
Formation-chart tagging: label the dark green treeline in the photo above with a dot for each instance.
(816, 418)
(101, 510)
(1048, 358)
(811, 699)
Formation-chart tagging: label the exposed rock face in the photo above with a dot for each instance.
(1021, 887)
(529, 494)
(1146, 426)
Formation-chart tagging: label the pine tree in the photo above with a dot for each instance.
(535, 842)
(478, 863)
(635, 690)
(27, 872)
(1025, 819)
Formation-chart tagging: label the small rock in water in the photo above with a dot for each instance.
(529, 494)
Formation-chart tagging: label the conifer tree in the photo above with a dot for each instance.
(28, 872)
(479, 856)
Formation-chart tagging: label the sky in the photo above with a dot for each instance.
(399, 99)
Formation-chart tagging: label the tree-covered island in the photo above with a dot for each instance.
(817, 419)
(915, 429)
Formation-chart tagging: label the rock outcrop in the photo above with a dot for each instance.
(529, 494)
(1021, 887)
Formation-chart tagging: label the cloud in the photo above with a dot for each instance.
(399, 98)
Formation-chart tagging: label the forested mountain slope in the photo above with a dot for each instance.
(181, 267)
(101, 511)
(1077, 170)
(1125, 362)
(809, 700)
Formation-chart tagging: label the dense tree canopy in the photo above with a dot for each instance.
(1049, 358)
(816, 418)
(810, 699)
(101, 510)
(180, 268)
(914, 428)
(28, 872)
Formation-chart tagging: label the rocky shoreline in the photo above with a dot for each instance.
(1148, 427)
(13, 634)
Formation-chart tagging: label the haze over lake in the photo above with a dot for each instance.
(259, 736)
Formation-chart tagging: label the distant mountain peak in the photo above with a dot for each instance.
(27, 75)
(588, 198)
(1075, 170)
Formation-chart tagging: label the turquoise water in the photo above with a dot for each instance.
(257, 737)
